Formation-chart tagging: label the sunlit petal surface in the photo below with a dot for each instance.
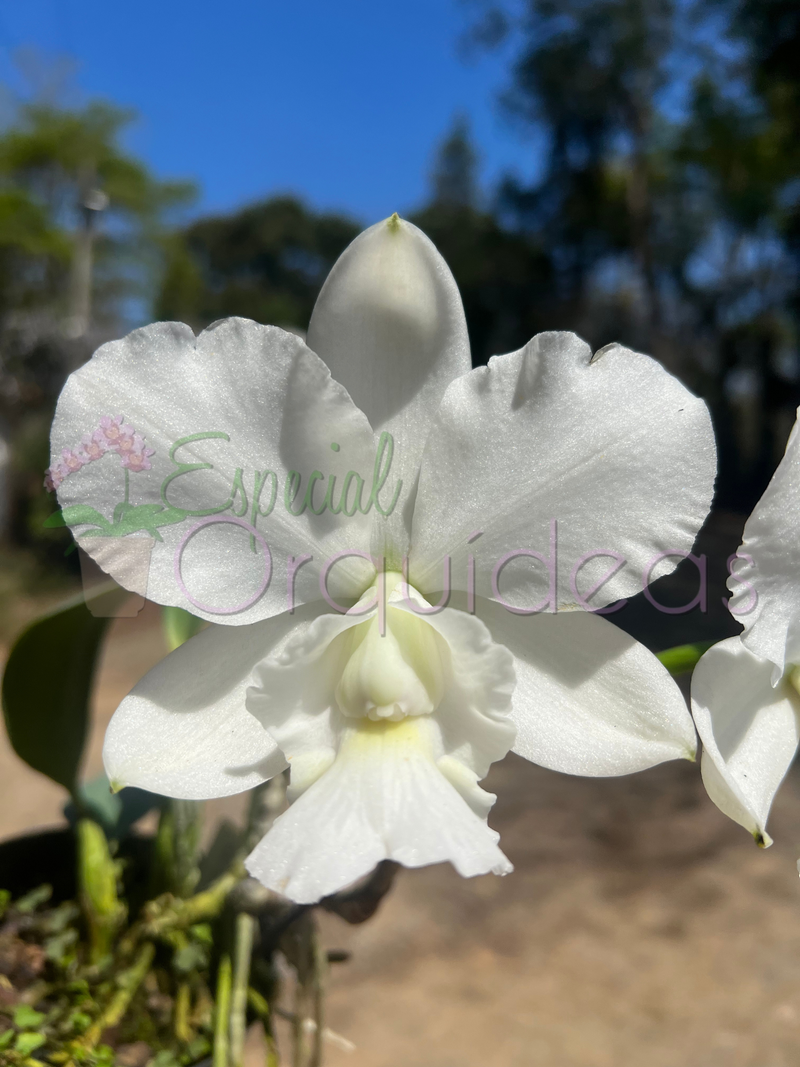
(184, 732)
(271, 406)
(612, 449)
(390, 325)
(590, 699)
(749, 731)
(766, 581)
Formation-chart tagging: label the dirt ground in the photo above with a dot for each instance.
(640, 928)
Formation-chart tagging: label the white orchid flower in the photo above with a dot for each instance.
(388, 713)
(746, 690)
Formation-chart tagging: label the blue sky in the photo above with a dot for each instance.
(341, 101)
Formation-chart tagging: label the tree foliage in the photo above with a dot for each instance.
(265, 262)
(82, 230)
(667, 200)
(662, 209)
(69, 190)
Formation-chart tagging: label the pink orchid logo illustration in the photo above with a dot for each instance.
(112, 435)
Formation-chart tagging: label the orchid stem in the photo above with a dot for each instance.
(177, 841)
(261, 1007)
(168, 914)
(222, 1013)
(266, 803)
(97, 874)
(319, 975)
(310, 962)
(245, 931)
(183, 1001)
(129, 981)
(188, 816)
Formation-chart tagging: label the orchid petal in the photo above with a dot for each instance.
(183, 731)
(359, 787)
(390, 325)
(589, 699)
(766, 578)
(293, 695)
(383, 798)
(749, 731)
(474, 715)
(612, 449)
(272, 407)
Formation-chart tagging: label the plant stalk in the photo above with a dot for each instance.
(222, 1013)
(261, 1007)
(97, 875)
(243, 950)
(183, 1003)
(178, 914)
(128, 982)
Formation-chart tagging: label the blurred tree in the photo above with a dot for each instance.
(667, 215)
(771, 30)
(60, 171)
(34, 263)
(738, 281)
(740, 150)
(454, 177)
(664, 213)
(82, 227)
(504, 277)
(268, 261)
(587, 73)
(265, 262)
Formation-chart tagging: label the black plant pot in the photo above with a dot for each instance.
(49, 857)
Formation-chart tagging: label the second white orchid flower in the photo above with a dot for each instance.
(372, 468)
(746, 690)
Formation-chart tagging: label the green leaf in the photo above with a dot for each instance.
(145, 517)
(191, 957)
(165, 1058)
(25, 1018)
(202, 933)
(55, 520)
(59, 948)
(78, 1021)
(116, 812)
(28, 1043)
(197, 1049)
(28, 904)
(59, 918)
(97, 879)
(79, 514)
(47, 687)
(120, 510)
(179, 625)
(6, 1037)
(683, 658)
